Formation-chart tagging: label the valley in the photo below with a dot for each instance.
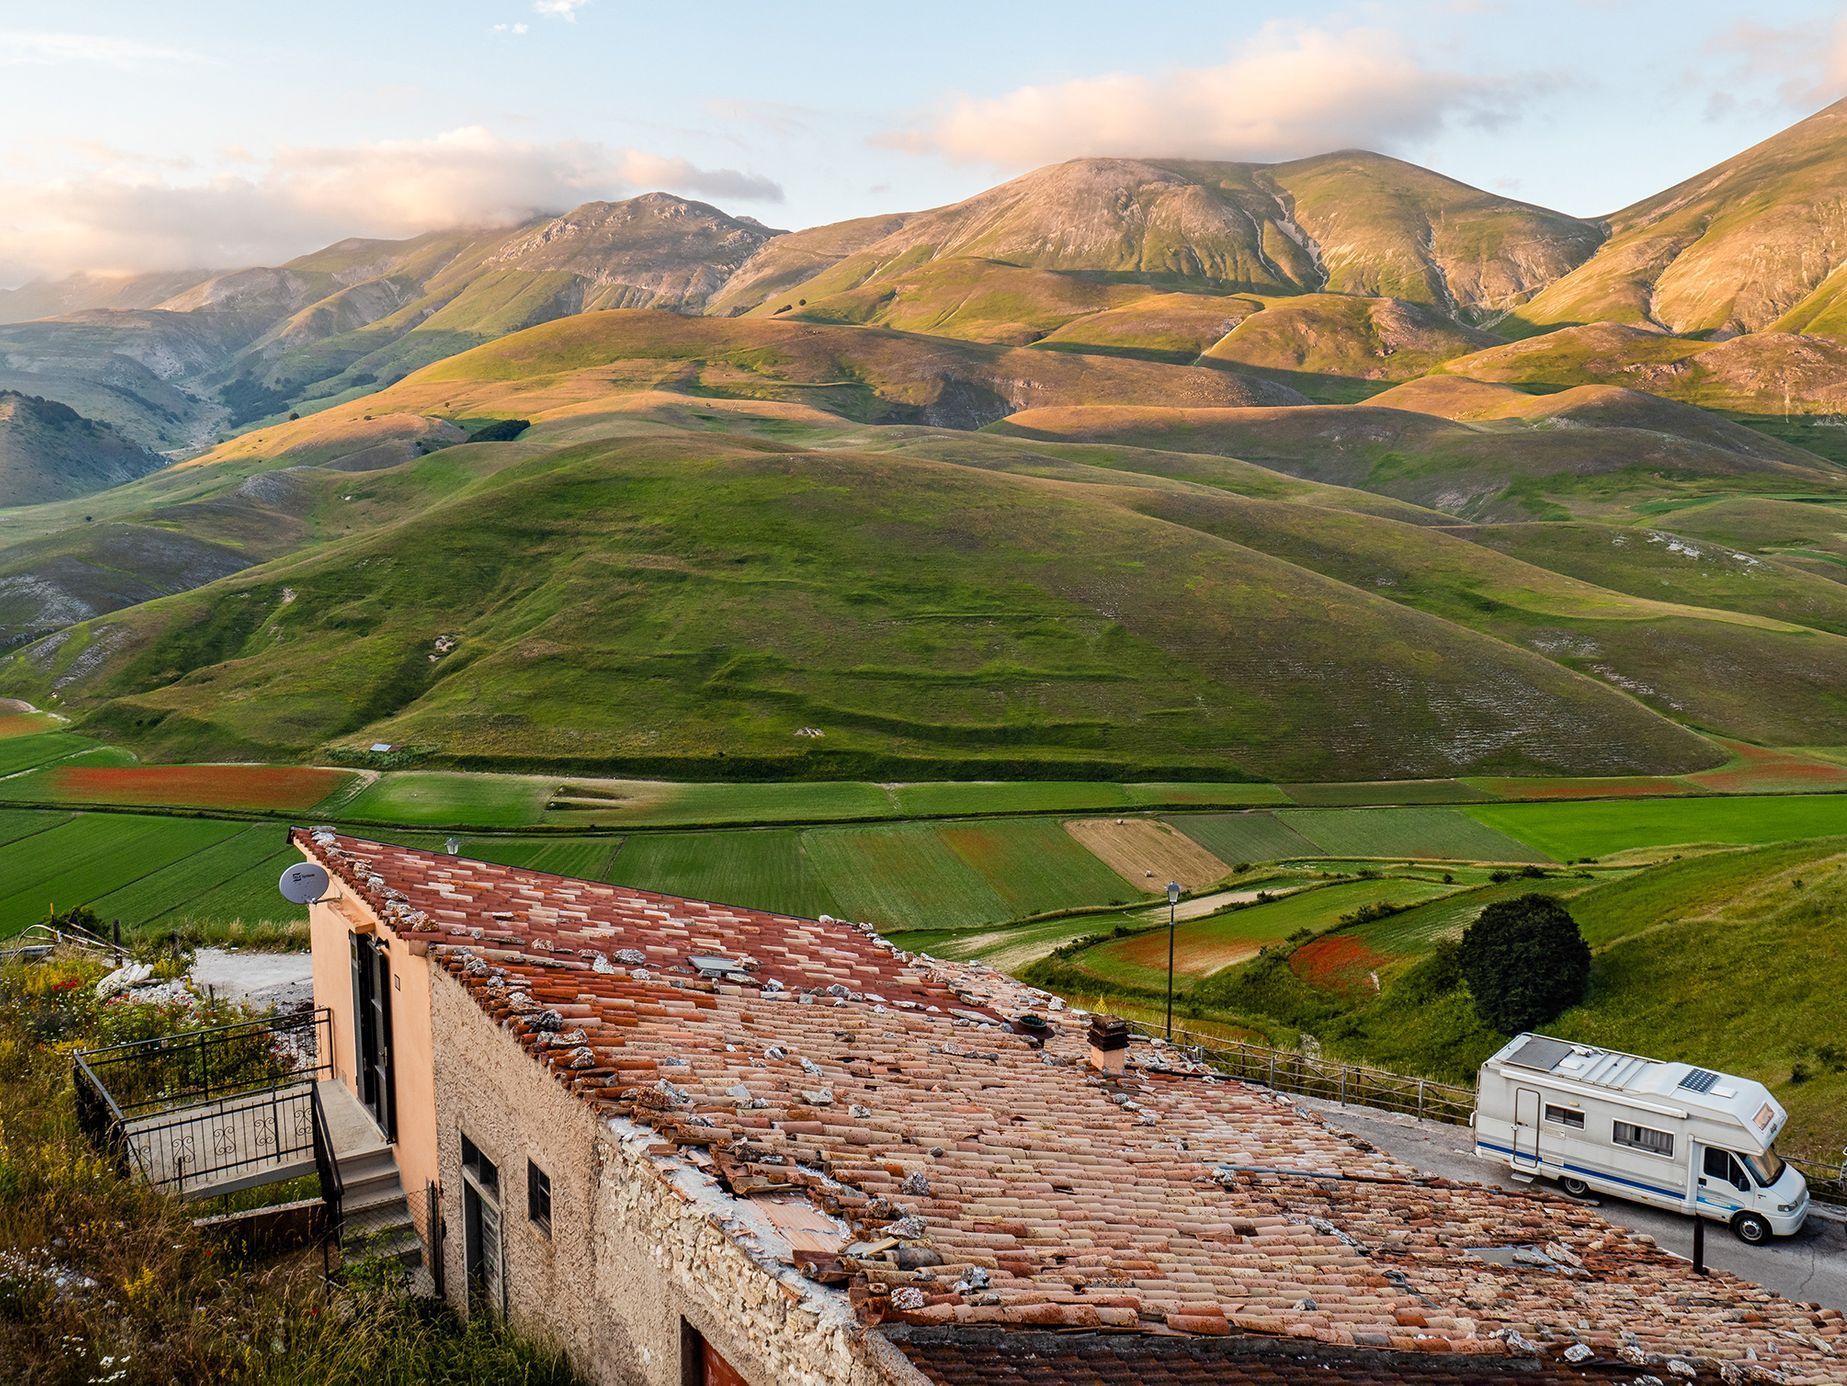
(1353, 546)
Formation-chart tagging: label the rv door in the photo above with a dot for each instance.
(1526, 1128)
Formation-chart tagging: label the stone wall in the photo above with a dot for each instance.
(635, 1248)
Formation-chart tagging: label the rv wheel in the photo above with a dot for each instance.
(1577, 1188)
(1749, 1227)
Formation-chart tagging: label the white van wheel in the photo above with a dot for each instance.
(1750, 1227)
(1574, 1186)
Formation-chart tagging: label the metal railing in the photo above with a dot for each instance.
(225, 1143)
(218, 1062)
(327, 1169)
(99, 1118)
(1827, 1178)
(1360, 1086)
(205, 1111)
(1329, 1079)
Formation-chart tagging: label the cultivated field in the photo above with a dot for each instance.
(1149, 851)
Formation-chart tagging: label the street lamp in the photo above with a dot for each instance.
(1173, 902)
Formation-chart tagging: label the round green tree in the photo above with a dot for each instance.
(1525, 962)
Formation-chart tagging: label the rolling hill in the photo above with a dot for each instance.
(50, 452)
(1347, 223)
(1147, 468)
(1754, 244)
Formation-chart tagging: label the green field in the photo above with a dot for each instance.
(766, 868)
(1567, 831)
(442, 800)
(1407, 832)
(1244, 837)
(90, 856)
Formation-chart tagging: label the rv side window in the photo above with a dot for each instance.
(1564, 1116)
(1642, 1138)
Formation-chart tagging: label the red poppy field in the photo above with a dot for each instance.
(280, 788)
(1338, 962)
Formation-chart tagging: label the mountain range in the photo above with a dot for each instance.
(1335, 468)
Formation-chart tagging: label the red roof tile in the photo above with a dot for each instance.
(995, 1183)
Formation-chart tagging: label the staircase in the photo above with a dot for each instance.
(374, 1213)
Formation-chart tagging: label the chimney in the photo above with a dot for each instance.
(1109, 1044)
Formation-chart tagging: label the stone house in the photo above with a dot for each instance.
(699, 1144)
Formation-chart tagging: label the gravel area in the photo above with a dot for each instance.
(258, 979)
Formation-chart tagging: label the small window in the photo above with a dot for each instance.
(483, 1169)
(1642, 1138)
(539, 1197)
(1564, 1116)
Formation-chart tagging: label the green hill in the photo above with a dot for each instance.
(50, 452)
(1752, 244)
(1352, 223)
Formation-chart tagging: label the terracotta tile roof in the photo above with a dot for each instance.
(1024, 1357)
(993, 1180)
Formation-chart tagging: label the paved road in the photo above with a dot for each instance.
(1811, 1266)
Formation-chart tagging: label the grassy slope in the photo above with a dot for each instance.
(692, 545)
(1735, 247)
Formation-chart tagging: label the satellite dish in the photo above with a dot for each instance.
(303, 883)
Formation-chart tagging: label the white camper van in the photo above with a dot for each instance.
(1664, 1133)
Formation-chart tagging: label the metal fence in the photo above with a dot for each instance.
(220, 1061)
(211, 1110)
(1291, 1071)
(1355, 1084)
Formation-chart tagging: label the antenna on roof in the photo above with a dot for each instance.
(304, 883)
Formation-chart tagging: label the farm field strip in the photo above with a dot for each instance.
(1468, 791)
(1441, 833)
(14, 724)
(1150, 851)
(259, 788)
(18, 824)
(92, 855)
(1592, 828)
(186, 886)
(1245, 837)
(906, 874)
(21, 753)
(1034, 865)
(765, 868)
(442, 799)
(1207, 945)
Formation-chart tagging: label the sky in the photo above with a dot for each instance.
(165, 134)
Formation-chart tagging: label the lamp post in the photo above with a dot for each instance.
(1173, 902)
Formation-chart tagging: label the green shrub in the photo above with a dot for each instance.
(1525, 962)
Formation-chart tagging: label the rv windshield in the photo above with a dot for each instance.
(1768, 1167)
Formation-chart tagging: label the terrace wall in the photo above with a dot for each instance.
(632, 1252)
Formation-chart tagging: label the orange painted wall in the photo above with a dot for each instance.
(330, 925)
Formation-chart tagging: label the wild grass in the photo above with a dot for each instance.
(104, 1279)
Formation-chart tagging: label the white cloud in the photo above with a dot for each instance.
(20, 48)
(119, 218)
(518, 28)
(1289, 92)
(1805, 65)
(559, 9)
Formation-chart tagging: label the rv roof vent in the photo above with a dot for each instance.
(1699, 1080)
(1540, 1053)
